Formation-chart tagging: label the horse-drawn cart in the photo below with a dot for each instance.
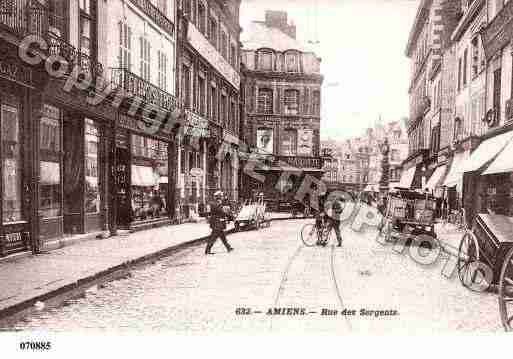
(485, 260)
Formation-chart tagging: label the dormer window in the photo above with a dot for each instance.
(292, 62)
(265, 60)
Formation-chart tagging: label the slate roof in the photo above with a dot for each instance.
(258, 35)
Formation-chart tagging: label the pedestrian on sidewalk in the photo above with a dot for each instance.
(218, 219)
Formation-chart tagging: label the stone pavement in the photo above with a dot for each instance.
(27, 279)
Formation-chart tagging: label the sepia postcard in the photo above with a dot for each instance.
(255, 167)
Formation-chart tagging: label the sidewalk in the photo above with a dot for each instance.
(36, 278)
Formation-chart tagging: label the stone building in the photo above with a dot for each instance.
(282, 102)
(208, 72)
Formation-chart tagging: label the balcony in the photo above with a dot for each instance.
(156, 15)
(143, 89)
(28, 17)
(74, 57)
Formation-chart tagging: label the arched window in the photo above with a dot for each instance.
(291, 102)
(265, 60)
(265, 101)
(289, 143)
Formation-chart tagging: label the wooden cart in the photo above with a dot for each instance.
(408, 216)
(489, 242)
(253, 214)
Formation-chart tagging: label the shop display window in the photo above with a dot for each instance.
(12, 201)
(50, 189)
(92, 187)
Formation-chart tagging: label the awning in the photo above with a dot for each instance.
(143, 176)
(393, 185)
(486, 151)
(455, 175)
(50, 173)
(407, 177)
(503, 163)
(436, 178)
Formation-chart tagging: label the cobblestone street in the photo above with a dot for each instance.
(190, 292)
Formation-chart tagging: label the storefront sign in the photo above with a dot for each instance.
(305, 142)
(500, 32)
(195, 125)
(205, 49)
(15, 72)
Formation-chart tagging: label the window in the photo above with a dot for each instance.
(145, 47)
(291, 102)
(458, 129)
(213, 104)
(186, 86)
(125, 46)
(459, 74)
(465, 60)
(224, 44)
(162, 70)
(92, 189)
(233, 56)
(201, 18)
(86, 28)
(12, 164)
(476, 67)
(213, 32)
(182, 161)
(317, 103)
(497, 93)
(201, 96)
(265, 101)
(233, 115)
(435, 140)
(265, 61)
(222, 111)
(50, 192)
(289, 143)
(292, 62)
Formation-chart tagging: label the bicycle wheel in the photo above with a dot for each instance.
(309, 235)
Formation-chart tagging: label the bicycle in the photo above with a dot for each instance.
(311, 235)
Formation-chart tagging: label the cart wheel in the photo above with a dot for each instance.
(309, 235)
(506, 292)
(468, 253)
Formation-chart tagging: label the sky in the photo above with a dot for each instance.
(362, 46)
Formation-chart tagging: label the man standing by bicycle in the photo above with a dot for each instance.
(328, 218)
(337, 207)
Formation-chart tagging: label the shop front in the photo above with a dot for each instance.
(16, 187)
(143, 164)
(487, 181)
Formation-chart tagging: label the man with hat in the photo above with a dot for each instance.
(218, 218)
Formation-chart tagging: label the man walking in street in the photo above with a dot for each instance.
(218, 218)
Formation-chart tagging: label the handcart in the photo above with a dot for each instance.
(409, 216)
(253, 214)
(485, 260)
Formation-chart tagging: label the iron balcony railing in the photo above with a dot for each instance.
(156, 15)
(299, 161)
(28, 17)
(74, 57)
(137, 86)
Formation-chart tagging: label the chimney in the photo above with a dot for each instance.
(278, 19)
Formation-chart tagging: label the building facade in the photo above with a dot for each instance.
(282, 102)
(208, 69)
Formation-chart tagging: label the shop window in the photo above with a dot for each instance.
(50, 189)
(12, 201)
(265, 101)
(92, 183)
(289, 143)
(291, 102)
